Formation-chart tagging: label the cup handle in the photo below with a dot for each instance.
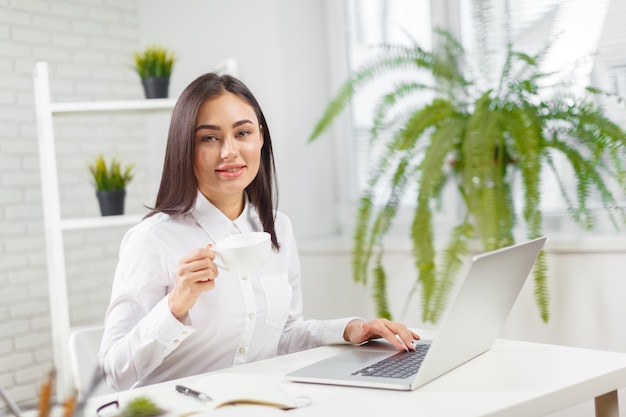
(217, 261)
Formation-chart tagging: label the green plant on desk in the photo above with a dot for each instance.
(141, 407)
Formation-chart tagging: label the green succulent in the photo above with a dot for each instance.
(112, 176)
(476, 139)
(154, 61)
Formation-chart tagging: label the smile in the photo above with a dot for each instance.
(231, 171)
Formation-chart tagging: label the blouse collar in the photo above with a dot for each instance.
(217, 225)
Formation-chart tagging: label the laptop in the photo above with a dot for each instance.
(469, 328)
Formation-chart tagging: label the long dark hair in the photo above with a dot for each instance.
(179, 187)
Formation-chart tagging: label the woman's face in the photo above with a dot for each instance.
(228, 144)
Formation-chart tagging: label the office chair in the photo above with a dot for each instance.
(84, 344)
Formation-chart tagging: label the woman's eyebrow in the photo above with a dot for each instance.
(214, 127)
(211, 127)
(242, 122)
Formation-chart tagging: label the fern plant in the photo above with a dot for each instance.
(477, 139)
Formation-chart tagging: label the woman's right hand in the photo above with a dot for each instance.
(196, 273)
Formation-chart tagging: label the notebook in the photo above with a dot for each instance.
(219, 390)
(469, 327)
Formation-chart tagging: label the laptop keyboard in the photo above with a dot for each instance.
(401, 365)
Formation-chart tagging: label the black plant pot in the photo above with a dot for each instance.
(111, 202)
(156, 87)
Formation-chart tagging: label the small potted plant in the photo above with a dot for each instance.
(154, 66)
(110, 182)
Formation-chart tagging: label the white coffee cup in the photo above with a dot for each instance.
(243, 253)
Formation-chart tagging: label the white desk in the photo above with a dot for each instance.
(512, 379)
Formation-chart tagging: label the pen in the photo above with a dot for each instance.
(192, 393)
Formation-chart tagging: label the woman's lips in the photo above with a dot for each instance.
(231, 171)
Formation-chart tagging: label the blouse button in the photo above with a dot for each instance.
(242, 350)
(176, 341)
(251, 316)
(244, 277)
(234, 229)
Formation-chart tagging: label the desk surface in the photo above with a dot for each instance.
(514, 378)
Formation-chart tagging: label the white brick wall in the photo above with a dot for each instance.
(88, 46)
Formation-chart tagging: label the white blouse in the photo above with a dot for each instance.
(246, 317)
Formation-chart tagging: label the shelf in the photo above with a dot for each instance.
(113, 106)
(103, 221)
(46, 110)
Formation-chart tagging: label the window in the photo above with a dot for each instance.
(372, 24)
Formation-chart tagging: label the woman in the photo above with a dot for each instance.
(172, 312)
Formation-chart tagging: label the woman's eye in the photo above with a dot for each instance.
(243, 134)
(208, 138)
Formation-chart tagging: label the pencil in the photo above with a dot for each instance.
(69, 405)
(45, 394)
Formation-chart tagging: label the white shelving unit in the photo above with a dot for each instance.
(54, 225)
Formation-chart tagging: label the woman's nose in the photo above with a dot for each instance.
(229, 148)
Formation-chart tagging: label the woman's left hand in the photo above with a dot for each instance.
(359, 331)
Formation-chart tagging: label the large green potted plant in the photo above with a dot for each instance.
(154, 66)
(476, 139)
(110, 181)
